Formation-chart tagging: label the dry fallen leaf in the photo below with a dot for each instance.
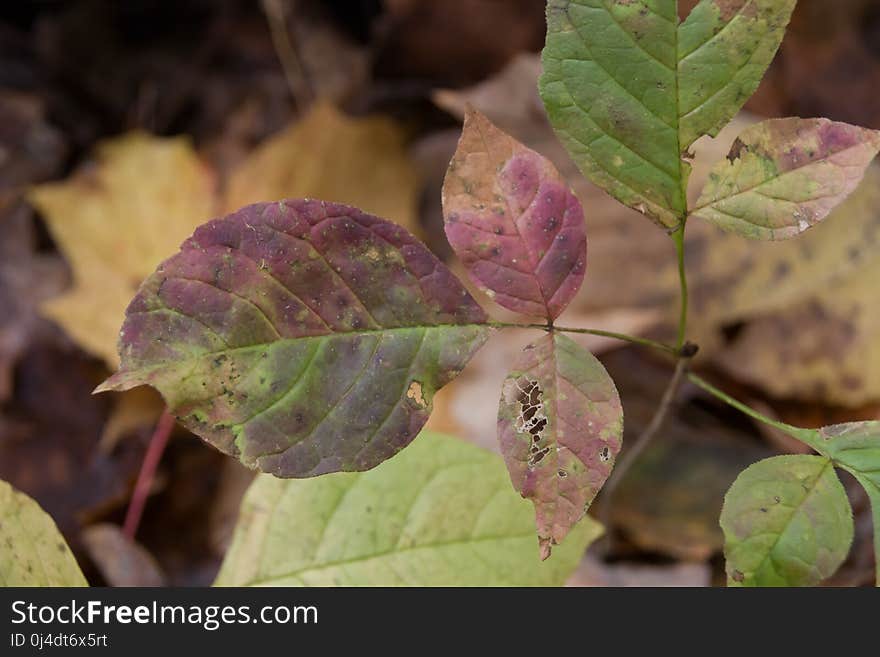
(327, 155)
(114, 221)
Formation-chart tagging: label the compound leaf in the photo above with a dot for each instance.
(786, 522)
(783, 176)
(302, 337)
(441, 513)
(513, 221)
(628, 89)
(32, 550)
(560, 425)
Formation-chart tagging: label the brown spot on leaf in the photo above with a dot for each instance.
(736, 150)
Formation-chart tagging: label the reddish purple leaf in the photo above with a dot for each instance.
(513, 221)
(302, 337)
(560, 424)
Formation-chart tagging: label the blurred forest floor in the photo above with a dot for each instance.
(123, 125)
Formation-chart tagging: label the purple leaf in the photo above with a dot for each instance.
(560, 424)
(302, 337)
(513, 221)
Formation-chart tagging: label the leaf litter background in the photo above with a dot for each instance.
(120, 132)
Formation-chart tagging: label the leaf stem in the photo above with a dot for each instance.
(623, 337)
(158, 441)
(738, 405)
(678, 240)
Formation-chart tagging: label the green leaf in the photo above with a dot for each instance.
(786, 522)
(855, 447)
(302, 337)
(560, 425)
(628, 89)
(784, 176)
(440, 513)
(513, 221)
(724, 49)
(32, 550)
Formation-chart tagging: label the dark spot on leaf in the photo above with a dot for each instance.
(736, 150)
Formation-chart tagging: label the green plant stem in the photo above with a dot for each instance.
(807, 436)
(678, 240)
(738, 405)
(645, 342)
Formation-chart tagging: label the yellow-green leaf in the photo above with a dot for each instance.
(786, 522)
(784, 176)
(32, 550)
(440, 513)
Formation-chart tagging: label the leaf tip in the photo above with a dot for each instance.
(546, 546)
(119, 382)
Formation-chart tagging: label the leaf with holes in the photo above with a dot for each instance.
(513, 221)
(786, 522)
(784, 176)
(439, 514)
(629, 89)
(302, 337)
(32, 550)
(560, 425)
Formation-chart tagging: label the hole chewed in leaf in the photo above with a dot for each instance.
(558, 438)
(532, 418)
(414, 393)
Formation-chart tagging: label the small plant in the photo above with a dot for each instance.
(305, 337)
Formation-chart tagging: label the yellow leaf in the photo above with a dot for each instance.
(117, 220)
(326, 155)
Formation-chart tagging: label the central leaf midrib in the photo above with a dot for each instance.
(795, 510)
(533, 273)
(388, 554)
(273, 343)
